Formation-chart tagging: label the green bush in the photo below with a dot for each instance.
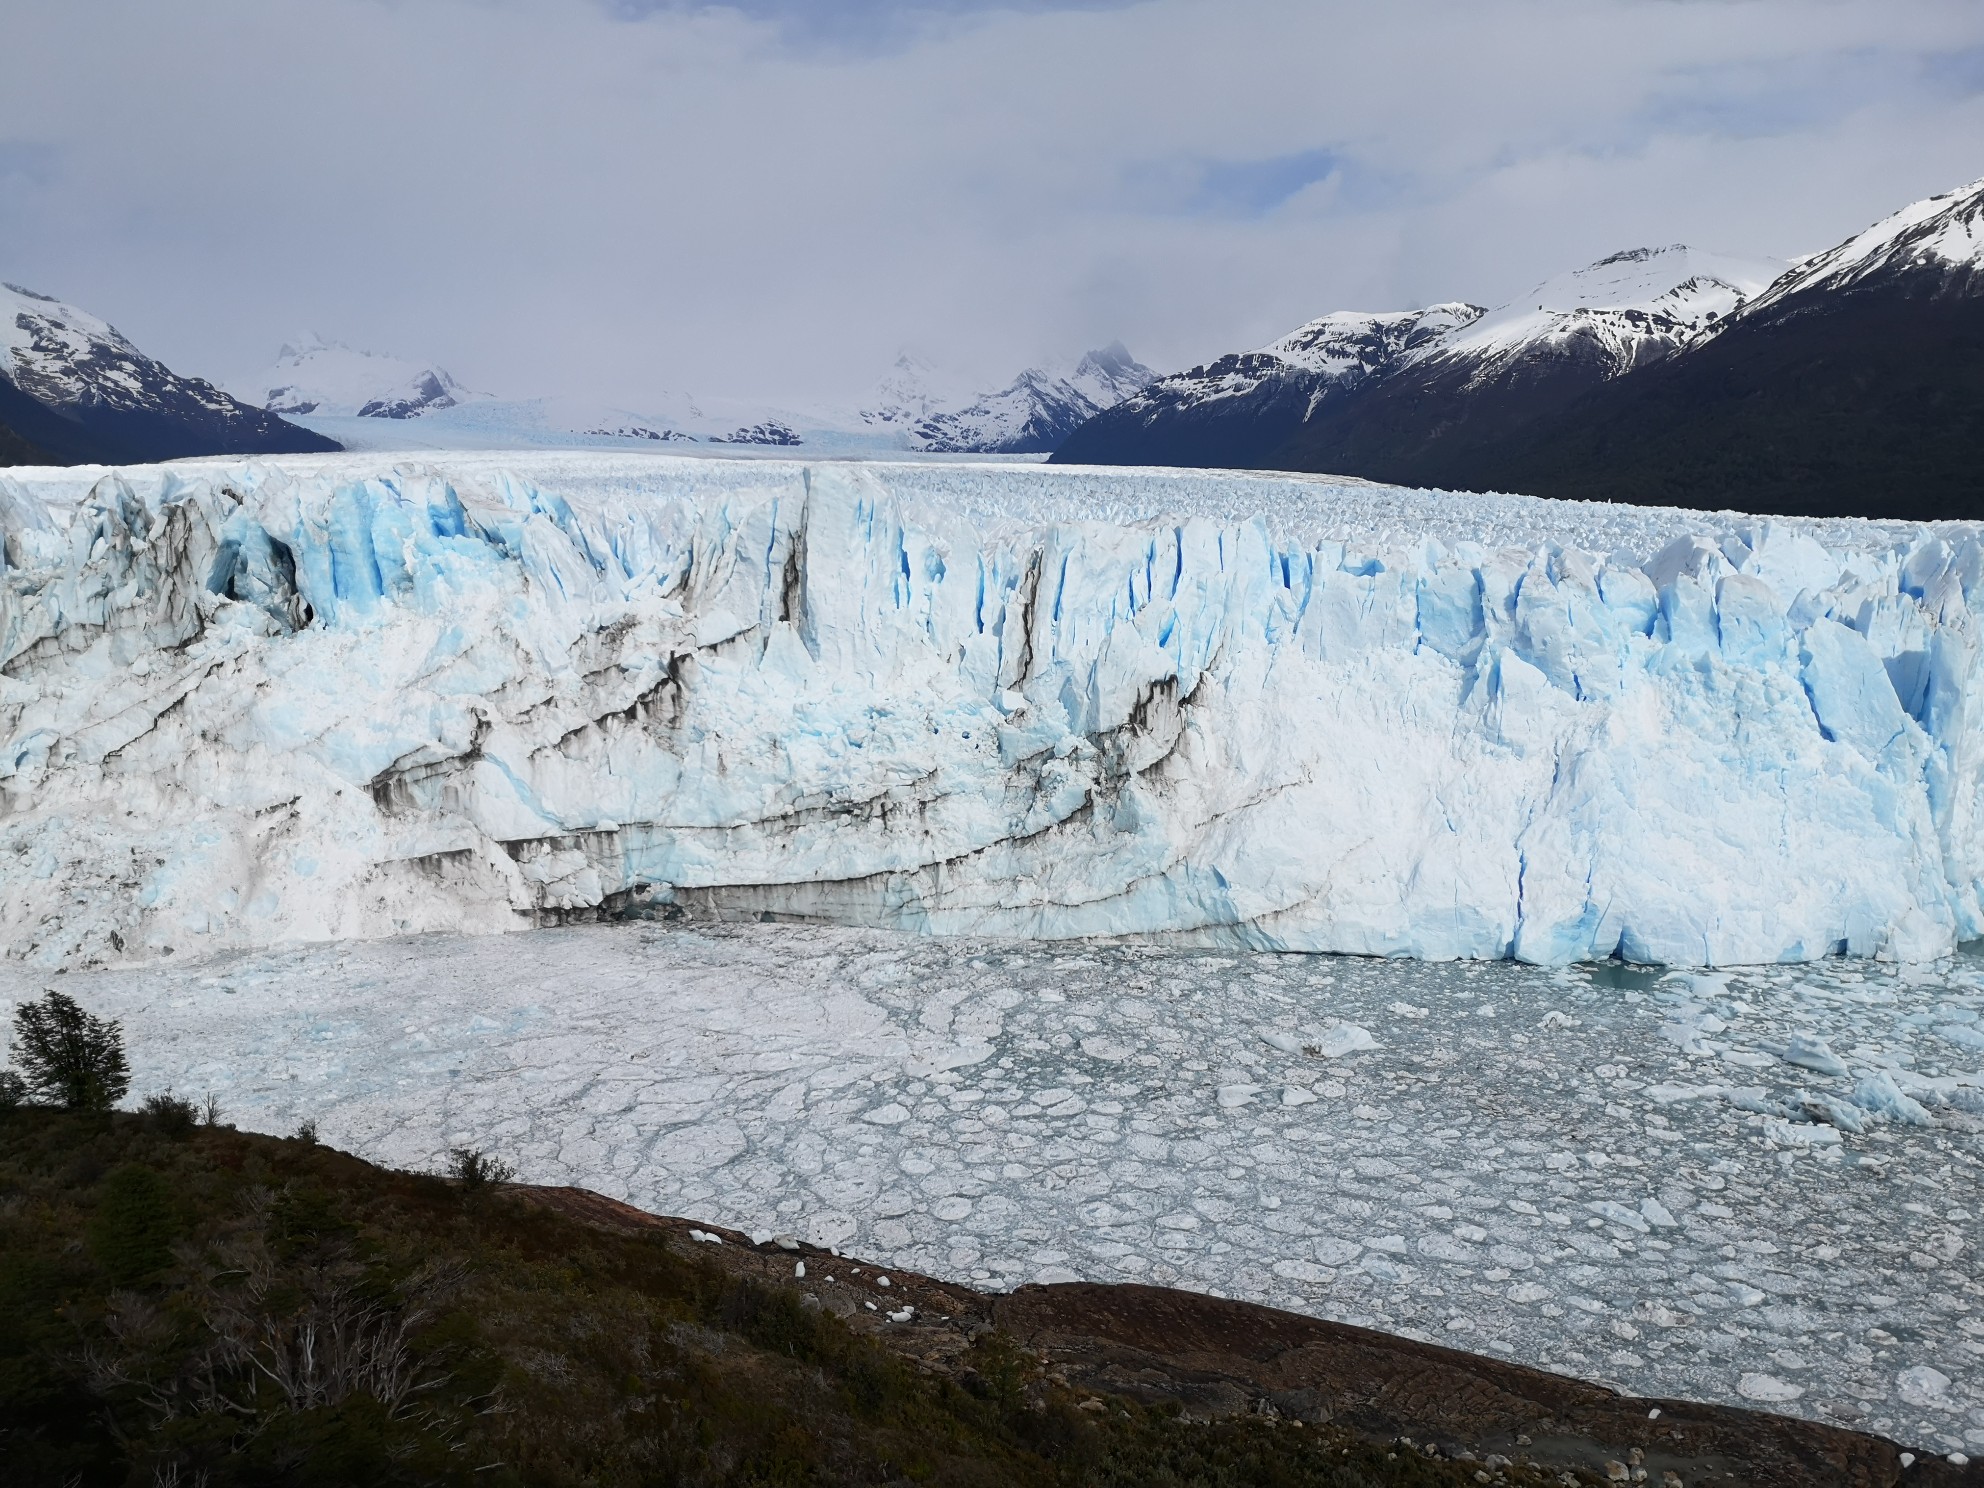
(170, 1115)
(475, 1169)
(132, 1232)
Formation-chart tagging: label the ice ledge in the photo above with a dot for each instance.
(269, 701)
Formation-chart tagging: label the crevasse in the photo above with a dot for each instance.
(251, 703)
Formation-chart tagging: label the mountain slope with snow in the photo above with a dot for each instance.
(367, 402)
(332, 380)
(1224, 413)
(1853, 386)
(256, 702)
(1037, 411)
(1850, 384)
(1411, 396)
(75, 390)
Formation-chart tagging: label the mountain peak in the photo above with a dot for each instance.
(314, 375)
(75, 389)
(1938, 240)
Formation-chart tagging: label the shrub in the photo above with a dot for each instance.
(475, 1169)
(68, 1057)
(210, 1112)
(306, 1133)
(134, 1226)
(170, 1115)
(13, 1090)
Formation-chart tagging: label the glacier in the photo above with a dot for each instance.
(310, 698)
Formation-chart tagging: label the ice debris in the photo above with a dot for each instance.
(1808, 1051)
(1834, 1112)
(1344, 1038)
(1878, 1094)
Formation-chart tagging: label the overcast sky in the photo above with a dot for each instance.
(770, 198)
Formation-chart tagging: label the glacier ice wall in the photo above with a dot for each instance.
(277, 700)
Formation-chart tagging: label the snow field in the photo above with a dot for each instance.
(1611, 1175)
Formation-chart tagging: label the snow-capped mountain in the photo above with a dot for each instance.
(1847, 383)
(74, 390)
(1936, 244)
(332, 380)
(1852, 386)
(1037, 411)
(1351, 371)
(1224, 413)
(910, 392)
(914, 409)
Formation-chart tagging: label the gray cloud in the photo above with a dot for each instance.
(856, 25)
(770, 198)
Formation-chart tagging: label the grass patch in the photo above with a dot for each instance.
(183, 1304)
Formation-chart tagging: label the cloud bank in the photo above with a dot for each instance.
(770, 198)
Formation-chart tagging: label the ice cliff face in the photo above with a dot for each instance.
(252, 702)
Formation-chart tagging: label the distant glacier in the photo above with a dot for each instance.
(304, 698)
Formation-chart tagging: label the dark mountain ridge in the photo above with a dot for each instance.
(1849, 385)
(74, 391)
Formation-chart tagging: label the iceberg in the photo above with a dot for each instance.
(255, 702)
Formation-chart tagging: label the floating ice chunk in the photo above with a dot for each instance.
(1756, 1099)
(1968, 1035)
(1669, 1095)
(1345, 1038)
(1768, 1389)
(1808, 1051)
(891, 1114)
(1619, 1214)
(1688, 1026)
(1798, 1134)
(1743, 1294)
(1232, 1097)
(1835, 1112)
(1295, 1095)
(1879, 1094)
(924, 1066)
(1749, 1058)
(1407, 1010)
(1924, 1385)
(1656, 1213)
(1528, 1291)
(1307, 1271)
(1555, 1019)
(1288, 1043)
